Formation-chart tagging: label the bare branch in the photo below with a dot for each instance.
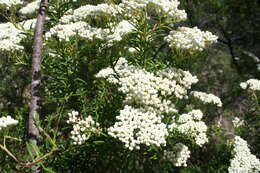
(33, 132)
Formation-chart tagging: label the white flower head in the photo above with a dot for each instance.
(243, 160)
(191, 39)
(251, 84)
(243, 85)
(30, 8)
(7, 121)
(190, 124)
(207, 98)
(135, 127)
(178, 156)
(10, 37)
(82, 128)
(237, 122)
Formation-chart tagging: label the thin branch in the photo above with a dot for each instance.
(8, 152)
(44, 157)
(33, 132)
(40, 159)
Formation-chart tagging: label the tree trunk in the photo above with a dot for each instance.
(33, 132)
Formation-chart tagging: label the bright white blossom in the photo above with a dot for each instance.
(168, 8)
(252, 84)
(152, 92)
(148, 94)
(135, 127)
(30, 8)
(28, 24)
(178, 156)
(7, 121)
(82, 29)
(243, 85)
(66, 31)
(82, 128)
(86, 11)
(191, 39)
(120, 30)
(10, 37)
(72, 24)
(237, 122)
(190, 124)
(133, 5)
(207, 98)
(243, 160)
(10, 3)
(148, 89)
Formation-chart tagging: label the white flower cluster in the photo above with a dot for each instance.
(28, 24)
(152, 91)
(190, 124)
(237, 122)
(170, 7)
(82, 128)
(121, 29)
(7, 121)
(184, 78)
(30, 8)
(84, 12)
(10, 37)
(252, 84)
(66, 31)
(165, 7)
(243, 161)
(82, 29)
(207, 98)
(135, 127)
(191, 39)
(178, 156)
(10, 3)
(74, 23)
(132, 5)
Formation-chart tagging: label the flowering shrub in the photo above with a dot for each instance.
(153, 95)
(116, 63)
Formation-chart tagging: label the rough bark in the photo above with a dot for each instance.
(33, 132)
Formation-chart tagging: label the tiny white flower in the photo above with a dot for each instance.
(7, 121)
(243, 85)
(252, 84)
